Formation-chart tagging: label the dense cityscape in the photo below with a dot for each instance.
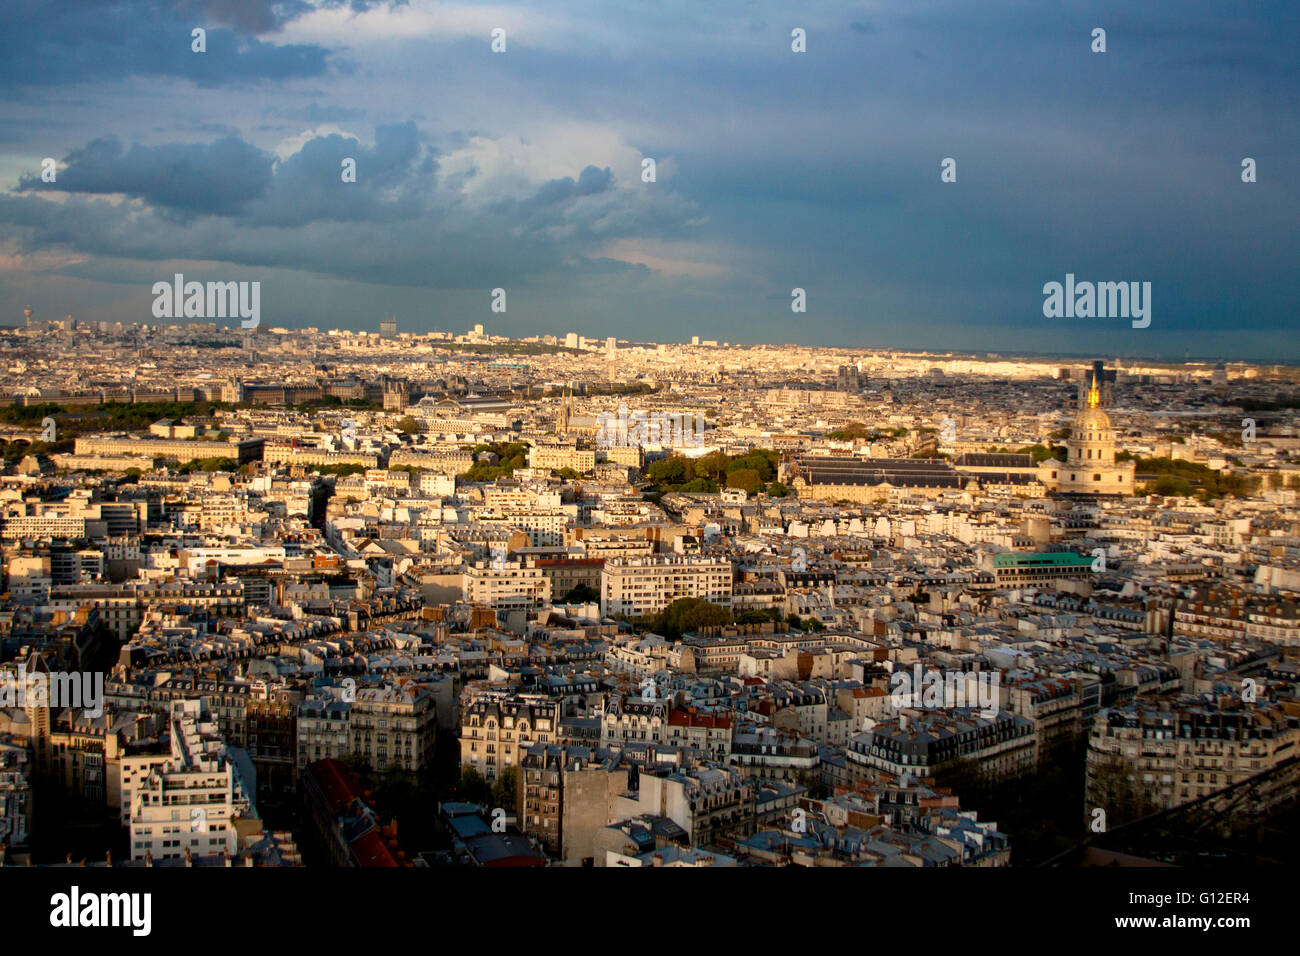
(449, 450)
(282, 598)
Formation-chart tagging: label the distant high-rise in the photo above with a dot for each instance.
(388, 327)
(1098, 379)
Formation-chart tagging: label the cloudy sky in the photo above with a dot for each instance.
(774, 169)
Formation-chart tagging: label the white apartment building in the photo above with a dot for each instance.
(510, 585)
(639, 586)
(546, 457)
(189, 802)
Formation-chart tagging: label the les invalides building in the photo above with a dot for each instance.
(1090, 467)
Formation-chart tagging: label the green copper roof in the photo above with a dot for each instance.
(1048, 559)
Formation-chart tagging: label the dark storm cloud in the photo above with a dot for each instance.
(223, 178)
(590, 181)
(398, 224)
(818, 170)
(309, 186)
(71, 41)
(218, 177)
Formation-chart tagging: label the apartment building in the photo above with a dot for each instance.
(394, 727)
(707, 802)
(272, 740)
(567, 573)
(506, 585)
(557, 457)
(1174, 751)
(625, 720)
(51, 519)
(641, 586)
(771, 754)
(449, 463)
(1055, 705)
(189, 805)
(566, 797)
(241, 451)
(324, 729)
(303, 455)
(494, 728)
(920, 743)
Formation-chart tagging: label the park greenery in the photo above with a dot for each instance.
(754, 472)
(1188, 479)
(857, 431)
(510, 455)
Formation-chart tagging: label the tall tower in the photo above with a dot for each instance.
(1100, 378)
(565, 415)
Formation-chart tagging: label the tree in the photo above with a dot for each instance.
(713, 465)
(698, 485)
(1115, 790)
(759, 460)
(851, 431)
(473, 788)
(777, 490)
(746, 478)
(581, 594)
(409, 425)
(668, 471)
(506, 790)
(759, 616)
(1043, 452)
(688, 614)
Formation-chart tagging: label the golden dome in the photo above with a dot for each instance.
(1091, 420)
